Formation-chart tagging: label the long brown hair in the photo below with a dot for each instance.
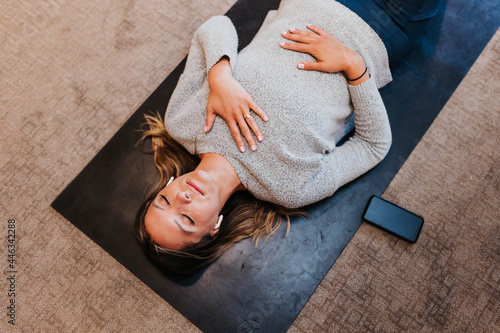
(244, 215)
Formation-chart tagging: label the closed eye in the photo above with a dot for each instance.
(190, 219)
(164, 198)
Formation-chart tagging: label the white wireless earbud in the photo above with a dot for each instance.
(218, 222)
(169, 181)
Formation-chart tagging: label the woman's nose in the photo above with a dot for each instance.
(184, 196)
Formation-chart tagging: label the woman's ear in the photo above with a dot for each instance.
(216, 229)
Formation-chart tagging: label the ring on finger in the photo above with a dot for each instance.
(247, 116)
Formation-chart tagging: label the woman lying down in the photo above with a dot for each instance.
(250, 137)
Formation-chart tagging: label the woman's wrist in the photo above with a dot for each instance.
(355, 70)
(222, 67)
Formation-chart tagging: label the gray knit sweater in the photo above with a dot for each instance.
(298, 162)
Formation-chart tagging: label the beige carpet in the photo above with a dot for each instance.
(71, 74)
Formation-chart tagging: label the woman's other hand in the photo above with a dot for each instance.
(230, 100)
(331, 55)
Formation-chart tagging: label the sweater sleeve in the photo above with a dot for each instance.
(365, 149)
(214, 39)
(372, 137)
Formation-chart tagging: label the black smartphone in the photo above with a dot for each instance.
(394, 219)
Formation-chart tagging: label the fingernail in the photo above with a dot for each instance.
(292, 29)
(260, 138)
(253, 147)
(242, 149)
(301, 66)
(206, 128)
(308, 25)
(283, 32)
(282, 43)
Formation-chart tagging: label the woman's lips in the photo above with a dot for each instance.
(195, 187)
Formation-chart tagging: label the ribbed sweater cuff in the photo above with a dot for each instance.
(363, 92)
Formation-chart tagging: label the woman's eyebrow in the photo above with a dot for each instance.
(158, 206)
(182, 227)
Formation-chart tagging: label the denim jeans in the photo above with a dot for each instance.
(397, 22)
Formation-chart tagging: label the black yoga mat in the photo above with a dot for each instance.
(264, 289)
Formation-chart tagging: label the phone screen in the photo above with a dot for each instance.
(393, 219)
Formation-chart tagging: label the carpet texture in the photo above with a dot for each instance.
(71, 73)
(449, 281)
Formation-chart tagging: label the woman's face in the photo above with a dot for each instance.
(184, 211)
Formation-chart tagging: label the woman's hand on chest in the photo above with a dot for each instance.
(332, 56)
(231, 101)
